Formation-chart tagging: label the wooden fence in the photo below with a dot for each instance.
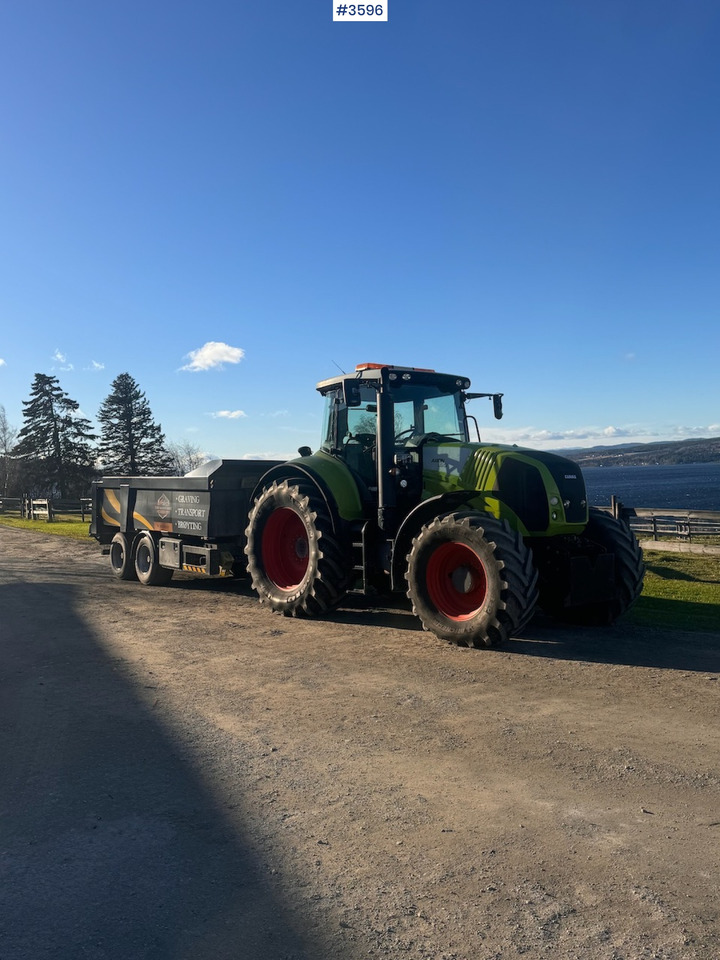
(694, 531)
(43, 508)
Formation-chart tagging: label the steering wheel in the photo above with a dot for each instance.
(366, 440)
(433, 437)
(420, 439)
(408, 432)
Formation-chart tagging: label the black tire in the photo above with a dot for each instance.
(471, 579)
(603, 534)
(296, 563)
(147, 565)
(121, 559)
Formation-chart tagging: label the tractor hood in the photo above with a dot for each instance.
(544, 491)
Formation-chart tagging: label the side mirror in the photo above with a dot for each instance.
(305, 451)
(351, 393)
(496, 399)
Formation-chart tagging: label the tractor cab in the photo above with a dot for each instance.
(378, 418)
(403, 404)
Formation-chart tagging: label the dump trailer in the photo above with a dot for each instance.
(398, 497)
(153, 526)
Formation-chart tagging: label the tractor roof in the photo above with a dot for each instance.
(373, 372)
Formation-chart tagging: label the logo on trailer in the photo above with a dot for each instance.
(163, 507)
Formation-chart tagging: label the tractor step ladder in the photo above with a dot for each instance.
(359, 553)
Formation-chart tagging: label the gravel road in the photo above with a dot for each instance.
(186, 776)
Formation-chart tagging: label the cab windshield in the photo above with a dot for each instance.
(418, 409)
(424, 408)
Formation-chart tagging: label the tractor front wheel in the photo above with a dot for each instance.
(296, 563)
(471, 579)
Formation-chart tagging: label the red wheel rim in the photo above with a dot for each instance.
(456, 581)
(285, 549)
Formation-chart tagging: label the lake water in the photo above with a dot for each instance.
(687, 486)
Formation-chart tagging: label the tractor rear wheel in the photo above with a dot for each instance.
(471, 579)
(296, 563)
(603, 535)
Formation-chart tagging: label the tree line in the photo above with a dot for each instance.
(56, 453)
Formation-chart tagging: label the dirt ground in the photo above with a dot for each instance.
(186, 775)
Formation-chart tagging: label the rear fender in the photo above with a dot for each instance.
(335, 485)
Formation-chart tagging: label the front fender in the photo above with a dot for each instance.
(423, 513)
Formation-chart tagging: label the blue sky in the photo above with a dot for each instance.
(526, 193)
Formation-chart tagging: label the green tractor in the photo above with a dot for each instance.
(399, 499)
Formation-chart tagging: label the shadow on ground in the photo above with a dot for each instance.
(623, 643)
(638, 639)
(110, 844)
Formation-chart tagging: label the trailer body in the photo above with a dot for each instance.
(197, 520)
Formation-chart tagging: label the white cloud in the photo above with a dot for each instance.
(228, 414)
(591, 436)
(580, 437)
(95, 366)
(62, 359)
(682, 432)
(2, 362)
(212, 356)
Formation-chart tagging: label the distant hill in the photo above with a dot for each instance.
(644, 454)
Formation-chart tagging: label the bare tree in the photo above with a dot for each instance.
(7, 462)
(184, 457)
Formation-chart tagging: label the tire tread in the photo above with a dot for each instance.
(512, 564)
(328, 583)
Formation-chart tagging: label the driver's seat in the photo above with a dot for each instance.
(358, 455)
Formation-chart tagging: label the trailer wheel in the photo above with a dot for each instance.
(296, 563)
(603, 535)
(471, 579)
(121, 560)
(147, 565)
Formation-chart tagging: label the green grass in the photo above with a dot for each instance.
(64, 525)
(682, 591)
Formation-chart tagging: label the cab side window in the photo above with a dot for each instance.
(404, 416)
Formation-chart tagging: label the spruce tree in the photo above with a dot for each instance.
(55, 444)
(131, 443)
